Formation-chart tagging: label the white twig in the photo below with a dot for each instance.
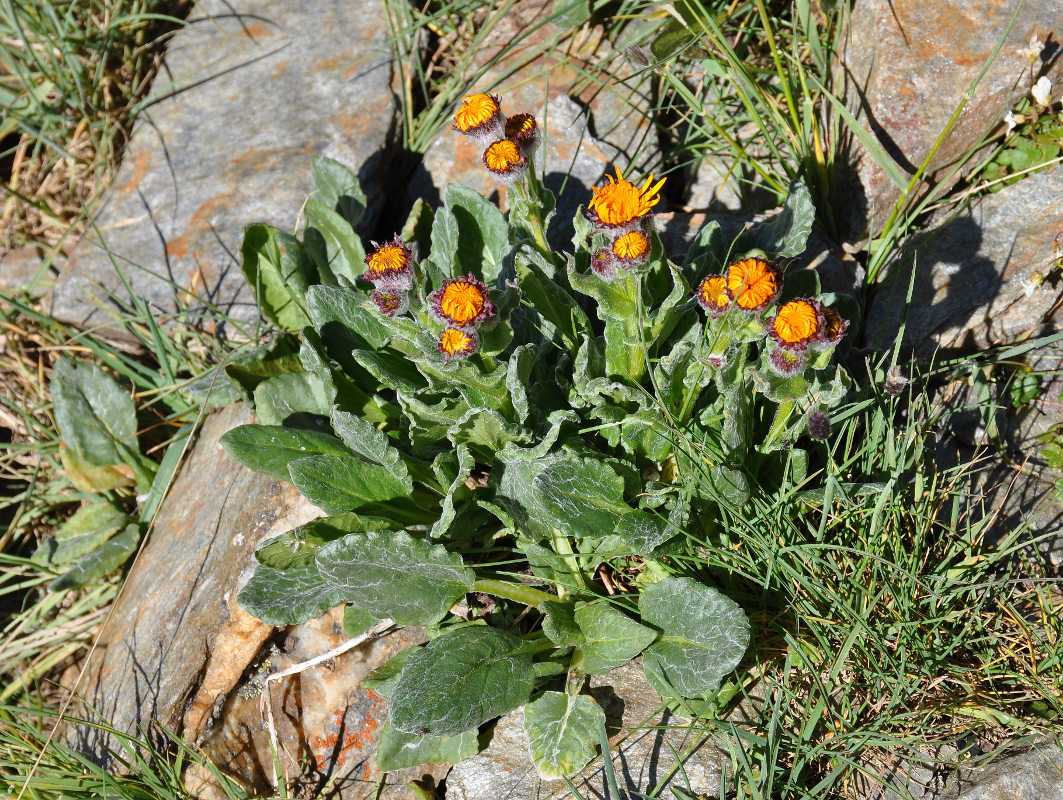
(376, 630)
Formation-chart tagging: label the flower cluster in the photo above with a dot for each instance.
(463, 305)
(508, 142)
(623, 212)
(795, 328)
(390, 270)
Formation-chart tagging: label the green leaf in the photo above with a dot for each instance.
(394, 370)
(344, 251)
(643, 531)
(337, 484)
(382, 680)
(708, 251)
(562, 732)
(270, 448)
(278, 270)
(460, 681)
(372, 444)
(344, 323)
(483, 235)
(582, 496)
(337, 188)
(559, 623)
(104, 559)
(356, 620)
(299, 545)
(487, 428)
(93, 477)
(398, 750)
(391, 574)
(95, 415)
(785, 234)
(611, 637)
(703, 636)
(447, 513)
(87, 529)
(276, 358)
(295, 399)
(288, 596)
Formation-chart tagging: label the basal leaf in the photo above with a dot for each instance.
(287, 596)
(278, 270)
(338, 188)
(447, 513)
(270, 448)
(486, 430)
(295, 399)
(107, 557)
(610, 637)
(336, 484)
(559, 623)
(95, 415)
(344, 251)
(357, 620)
(276, 358)
(382, 680)
(786, 234)
(398, 750)
(583, 496)
(371, 443)
(445, 241)
(338, 314)
(483, 235)
(298, 546)
(391, 574)
(87, 529)
(643, 531)
(562, 732)
(460, 681)
(703, 636)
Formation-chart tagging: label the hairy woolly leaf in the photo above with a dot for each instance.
(460, 681)
(298, 546)
(703, 636)
(278, 270)
(105, 558)
(391, 574)
(785, 234)
(610, 637)
(562, 732)
(398, 750)
(270, 448)
(643, 531)
(337, 484)
(287, 596)
(87, 529)
(583, 496)
(336, 187)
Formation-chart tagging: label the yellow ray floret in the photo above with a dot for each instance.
(502, 156)
(476, 110)
(752, 282)
(632, 245)
(462, 302)
(797, 322)
(620, 202)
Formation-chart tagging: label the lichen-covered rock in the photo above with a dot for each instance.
(907, 65)
(177, 641)
(259, 88)
(987, 277)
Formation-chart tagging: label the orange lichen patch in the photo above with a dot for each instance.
(255, 30)
(198, 225)
(141, 161)
(331, 751)
(753, 283)
(620, 202)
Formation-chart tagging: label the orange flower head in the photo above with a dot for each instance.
(712, 294)
(620, 202)
(796, 324)
(477, 113)
(633, 246)
(753, 283)
(462, 302)
(524, 130)
(389, 266)
(505, 160)
(456, 343)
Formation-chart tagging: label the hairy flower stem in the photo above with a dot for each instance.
(516, 592)
(636, 359)
(563, 547)
(530, 191)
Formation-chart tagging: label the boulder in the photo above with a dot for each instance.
(906, 67)
(255, 90)
(989, 276)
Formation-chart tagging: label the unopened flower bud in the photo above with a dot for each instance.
(819, 425)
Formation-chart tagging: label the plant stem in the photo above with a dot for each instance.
(516, 592)
(636, 362)
(563, 547)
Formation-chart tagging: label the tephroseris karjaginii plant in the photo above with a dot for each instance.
(481, 414)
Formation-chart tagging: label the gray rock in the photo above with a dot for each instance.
(987, 277)
(644, 742)
(1034, 775)
(587, 128)
(258, 88)
(714, 187)
(907, 66)
(24, 270)
(177, 641)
